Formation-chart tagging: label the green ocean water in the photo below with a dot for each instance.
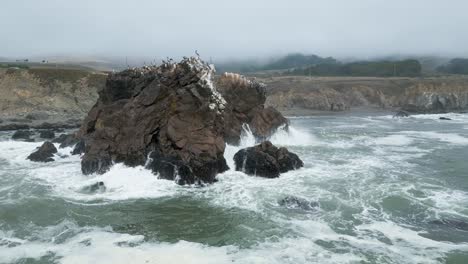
(388, 191)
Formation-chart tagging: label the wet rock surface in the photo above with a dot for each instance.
(294, 202)
(79, 148)
(246, 105)
(401, 113)
(44, 153)
(97, 187)
(22, 134)
(172, 114)
(266, 160)
(67, 140)
(47, 134)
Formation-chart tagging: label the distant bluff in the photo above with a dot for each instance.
(173, 118)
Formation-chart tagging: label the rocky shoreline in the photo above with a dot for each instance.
(31, 103)
(300, 95)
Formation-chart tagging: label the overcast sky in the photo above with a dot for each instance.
(229, 29)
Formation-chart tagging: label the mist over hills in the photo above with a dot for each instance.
(291, 63)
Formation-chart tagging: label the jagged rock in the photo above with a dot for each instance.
(44, 153)
(47, 134)
(79, 148)
(298, 203)
(246, 105)
(401, 113)
(444, 118)
(95, 164)
(172, 119)
(172, 111)
(66, 140)
(266, 160)
(22, 134)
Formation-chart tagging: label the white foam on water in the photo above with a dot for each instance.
(448, 201)
(101, 245)
(407, 246)
(451, 138)
(394, 140)
(293, 137)
(356, 182)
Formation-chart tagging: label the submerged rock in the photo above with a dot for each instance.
(298, 203)
(457, 224)
(246, 105)
(48, 134)
(22, 134)
(44, 153)
(401, 114)
(94, 188)
(266, 160)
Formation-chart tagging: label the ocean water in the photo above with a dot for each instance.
(388, 191)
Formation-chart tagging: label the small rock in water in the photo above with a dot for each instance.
(401, 114)
(79, 148)
(66, 140)
(48, 134)
(44, 153)
(94, 188)
(22, 134)
(444, 118)
(295, 202)
(266, 160)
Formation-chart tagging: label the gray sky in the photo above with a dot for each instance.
(230, 29)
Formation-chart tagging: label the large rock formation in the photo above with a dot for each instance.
(171, 118)
(266, 160)
(246, 105)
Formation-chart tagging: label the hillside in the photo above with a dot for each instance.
(299, 94)
(47, 94)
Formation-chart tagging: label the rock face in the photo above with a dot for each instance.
(44, 153)
(171, 114)
(266, 160)
(246, 105)
(79, 148)
(47, 97)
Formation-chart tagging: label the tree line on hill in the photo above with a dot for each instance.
(403, 68)
(455, 66)
(313, 65)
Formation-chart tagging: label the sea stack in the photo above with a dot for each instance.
(171, 118)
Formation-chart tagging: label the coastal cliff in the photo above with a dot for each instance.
(39, 97)
(31, 97)
(418, 95)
